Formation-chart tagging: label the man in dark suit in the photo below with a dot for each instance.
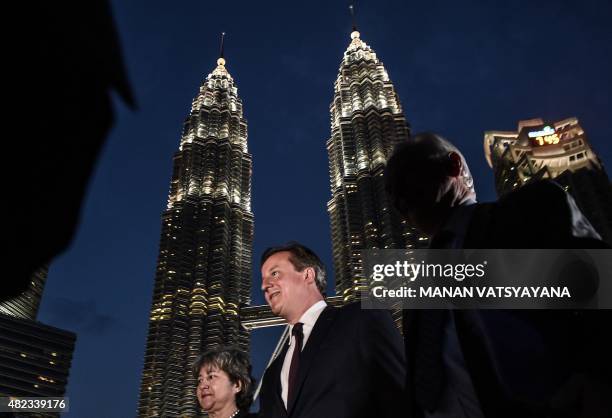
(495, 363)
(340, 362)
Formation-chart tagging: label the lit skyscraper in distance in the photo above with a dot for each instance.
(367, 121)
(204, 266)
(26, 305)
(35, 358)
(559, 151)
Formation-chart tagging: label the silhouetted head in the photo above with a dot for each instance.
(425, 178)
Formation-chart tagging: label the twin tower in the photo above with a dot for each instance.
(204, 271)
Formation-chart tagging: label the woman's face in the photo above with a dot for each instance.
(215, 390)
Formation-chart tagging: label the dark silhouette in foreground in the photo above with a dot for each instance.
(66, 71)
(496, 363)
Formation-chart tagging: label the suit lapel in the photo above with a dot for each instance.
(275, 376)
(478, 229)
(479, 363)
(317, 336)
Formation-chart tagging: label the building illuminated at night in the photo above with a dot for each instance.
(559, 151)
(35, 358)
(26, 305)
(203, 275)
(367, 121)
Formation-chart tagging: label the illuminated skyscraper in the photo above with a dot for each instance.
(26, 305)
(559, 151)
(367, 121)
(204, 266)
(35, 358)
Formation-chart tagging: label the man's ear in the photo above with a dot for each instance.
(310, 274)
(455, 165)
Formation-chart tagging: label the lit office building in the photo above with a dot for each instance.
(367, 121)
(559, 151)
(34, 358)
(203, 272)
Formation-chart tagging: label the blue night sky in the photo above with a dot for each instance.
(459, 67)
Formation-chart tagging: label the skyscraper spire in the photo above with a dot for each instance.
(221, 47)
(203, 275)
(352, 10)
(221, 59)
(367, 121)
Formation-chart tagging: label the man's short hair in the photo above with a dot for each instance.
(301, 257)
(424, 148)
(236, 365)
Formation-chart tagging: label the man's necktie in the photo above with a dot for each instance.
(429, 374)
(294, 368)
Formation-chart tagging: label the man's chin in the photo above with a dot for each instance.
(275, 309)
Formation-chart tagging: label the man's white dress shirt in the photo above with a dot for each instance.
(309, 318)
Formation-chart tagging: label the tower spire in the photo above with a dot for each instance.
(352, 10)
(221, 47)
(221, 60)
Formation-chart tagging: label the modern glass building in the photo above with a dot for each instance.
(203, 275)
(553, 150)
(35, 358)
(26, 305)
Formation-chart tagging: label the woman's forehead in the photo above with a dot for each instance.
(209, 368)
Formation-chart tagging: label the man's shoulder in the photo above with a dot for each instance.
(347, 312)
(352, 309)
(541, 192)
(522, 205)
(355, 312)
(540, 214)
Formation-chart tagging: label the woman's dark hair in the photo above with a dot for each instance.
(237, 366)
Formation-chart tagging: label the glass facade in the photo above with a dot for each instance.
(35, 358)
(26, 305)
